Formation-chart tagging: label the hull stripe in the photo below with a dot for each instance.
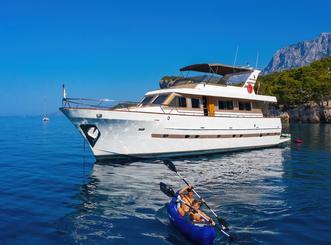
(211, 136)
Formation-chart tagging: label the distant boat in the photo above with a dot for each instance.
(45, 119)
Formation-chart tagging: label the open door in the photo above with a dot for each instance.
(205, 106)
(208, 106)
(211, 106)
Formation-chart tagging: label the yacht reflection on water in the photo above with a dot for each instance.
(121, 203)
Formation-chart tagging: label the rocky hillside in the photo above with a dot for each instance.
(299, 86)
(303, 94)
(300, 54)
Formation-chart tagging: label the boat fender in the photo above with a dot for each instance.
(249, 88)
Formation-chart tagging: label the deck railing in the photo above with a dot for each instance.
(97, 103)
(78, 102)
(109, 104)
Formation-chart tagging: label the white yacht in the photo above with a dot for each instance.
(216, 112)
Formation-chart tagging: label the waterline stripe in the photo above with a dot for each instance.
(221, 129)
(211, 136)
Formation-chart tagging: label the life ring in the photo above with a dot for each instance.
(249, 88)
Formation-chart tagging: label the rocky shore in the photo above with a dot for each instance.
(307, 114)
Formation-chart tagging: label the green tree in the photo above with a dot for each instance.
(299, 86)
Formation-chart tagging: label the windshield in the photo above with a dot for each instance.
(146, 100)
(160, 99)
(236, 78)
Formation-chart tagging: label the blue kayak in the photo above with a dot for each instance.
(201, 233)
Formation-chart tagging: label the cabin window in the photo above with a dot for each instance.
(160, 99)
(241, 106)
(245, 106)
(147, 100)
(225, 105)
(248, 106)
(178, 102)
(181, 102)
(195, 102)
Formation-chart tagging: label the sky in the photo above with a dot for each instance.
(120, 49)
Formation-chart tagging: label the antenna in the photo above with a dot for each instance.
(257, 59)
(235, 57)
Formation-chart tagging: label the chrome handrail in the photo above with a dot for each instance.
(99, 103)
(69, 102)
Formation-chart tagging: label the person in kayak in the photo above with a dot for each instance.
(198, 216)
(186, 195)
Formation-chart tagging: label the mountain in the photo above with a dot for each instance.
(300, 54)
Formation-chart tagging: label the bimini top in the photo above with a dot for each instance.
(216, 69)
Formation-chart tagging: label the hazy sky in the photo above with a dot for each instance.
(120, 49)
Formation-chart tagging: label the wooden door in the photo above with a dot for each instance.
(211, 106)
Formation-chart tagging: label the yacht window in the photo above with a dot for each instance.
(146, 100)
(178, 102)
(248, 106)
(181, 102)
(245, 106)
(241, 106)
(160, 99)
(195, 103)
(225, 105)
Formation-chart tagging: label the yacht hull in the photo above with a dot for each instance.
(119, 133)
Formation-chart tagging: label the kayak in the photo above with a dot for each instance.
(198, 233)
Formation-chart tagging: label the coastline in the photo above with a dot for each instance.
(307, 114)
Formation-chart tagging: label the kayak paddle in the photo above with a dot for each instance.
(168, 191)
(172, 167)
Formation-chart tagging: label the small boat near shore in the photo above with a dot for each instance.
(213, 113)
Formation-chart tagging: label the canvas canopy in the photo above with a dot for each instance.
(216, 69)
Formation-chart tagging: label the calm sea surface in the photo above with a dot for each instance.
(52, 192)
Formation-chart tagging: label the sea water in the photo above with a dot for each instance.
(53, 192)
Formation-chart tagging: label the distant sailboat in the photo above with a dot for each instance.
(45, 117)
